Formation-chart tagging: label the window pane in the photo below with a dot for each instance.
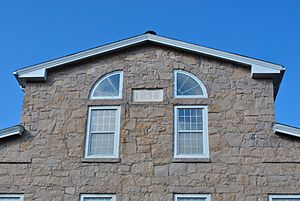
(186, 85)
(103, 120)
(191, 199)
(109, 86)
(190, 143)
(98, 199)
(286, 199)
(190, 119)
(102, 144)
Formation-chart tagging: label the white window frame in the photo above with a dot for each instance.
(206, 196)
(103, 78)
(82, 196)
(117, 132)
(205, 132)
(20, 196)
(271, 197)
(195, 78)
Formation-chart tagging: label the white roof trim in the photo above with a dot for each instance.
(213, 52)
(288, 130)
(258, 67)
(14, 130)
(83, 54)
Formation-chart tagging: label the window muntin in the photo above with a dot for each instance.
(191, 136)
(192, 197)
(186, 85)
(108, 87)
(97, 197)
(103, 132)
(11, 197)
(284, 198)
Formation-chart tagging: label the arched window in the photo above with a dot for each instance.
(108, 87)
(187, 85)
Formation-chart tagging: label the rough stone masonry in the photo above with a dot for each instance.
(247, 161)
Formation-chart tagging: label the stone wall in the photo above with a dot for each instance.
(247, 161)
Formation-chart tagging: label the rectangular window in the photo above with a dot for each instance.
(284, 198)
(192, 197)
(191, 133)
(103, 132)
(11, 197)
(97, 197)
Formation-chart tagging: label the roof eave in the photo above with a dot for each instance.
(285, 129)
(14, 130)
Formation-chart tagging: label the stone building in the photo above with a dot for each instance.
(154, 119)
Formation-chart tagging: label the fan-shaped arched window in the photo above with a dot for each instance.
(187, 85)
(108, 87)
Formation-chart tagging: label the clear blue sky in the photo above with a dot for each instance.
(36, 31)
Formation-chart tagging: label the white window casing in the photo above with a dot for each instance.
(190, 131)
(108, 87)
(192, 197)
(187, 85)
(97, 197)
(103, 132)
(284, 197)
(11, 197)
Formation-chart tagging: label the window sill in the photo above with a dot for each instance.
(191, 160)
(100, 160)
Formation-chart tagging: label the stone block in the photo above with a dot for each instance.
(161, 171)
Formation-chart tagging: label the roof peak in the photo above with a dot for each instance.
(259, 68)
(150, 32)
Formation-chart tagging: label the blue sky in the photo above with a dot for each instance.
(36, 31)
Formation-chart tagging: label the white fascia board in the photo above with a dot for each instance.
(257, 66)
(39, 74)
(284, 129)
(263, 72)
(213, 52)
(14, 130)
(83, 54)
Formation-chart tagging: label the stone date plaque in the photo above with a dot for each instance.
(148, 95)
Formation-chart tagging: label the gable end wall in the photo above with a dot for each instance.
(247, 161)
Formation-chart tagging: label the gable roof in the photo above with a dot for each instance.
(14, 130)
(285, 129)
(259, 68)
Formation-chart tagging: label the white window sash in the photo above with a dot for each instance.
(92, 97)
(102, 132)
(20, 196)
(193, 77)
(207, 197)
(83, 196)
(204, 132)
(116, 132)
(190, 131)
(271, 197)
